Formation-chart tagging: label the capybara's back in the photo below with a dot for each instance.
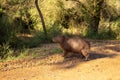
(78, 44)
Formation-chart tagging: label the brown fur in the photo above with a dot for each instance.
(74, 44)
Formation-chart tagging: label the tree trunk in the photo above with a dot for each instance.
(42, 19)
(95, 18)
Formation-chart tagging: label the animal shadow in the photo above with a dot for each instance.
(73, 61)
(94, 56)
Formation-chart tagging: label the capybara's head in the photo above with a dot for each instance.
(58, 39)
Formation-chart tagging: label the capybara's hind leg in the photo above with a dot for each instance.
(85, 54)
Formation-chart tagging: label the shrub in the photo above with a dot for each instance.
(115, 26)
(7, 32)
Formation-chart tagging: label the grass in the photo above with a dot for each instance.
(29, 53)
(9, 54)
(57, 50)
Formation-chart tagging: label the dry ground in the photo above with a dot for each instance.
(104, 64)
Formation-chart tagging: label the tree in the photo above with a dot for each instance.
(90, 12)
(92, 15)
(95, 16)
(41, 17)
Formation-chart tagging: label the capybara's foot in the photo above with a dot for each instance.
(86, 58)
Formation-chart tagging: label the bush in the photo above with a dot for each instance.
(7, 53)
(39, 36)
(116, 28)
(10, 26)
(7, 32)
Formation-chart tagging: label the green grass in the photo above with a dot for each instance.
(8, 54)
(57, 50)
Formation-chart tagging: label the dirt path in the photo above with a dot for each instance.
(104, 64)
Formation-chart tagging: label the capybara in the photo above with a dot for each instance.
(73, 44)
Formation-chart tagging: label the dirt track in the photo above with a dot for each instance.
(104, 64)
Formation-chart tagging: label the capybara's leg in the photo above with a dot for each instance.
(81, 55)
(65, 53)
(85, 53)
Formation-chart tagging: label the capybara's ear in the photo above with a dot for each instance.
(65, 37)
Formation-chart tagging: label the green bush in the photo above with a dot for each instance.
(7, 32)
(7, 53)
(116, 28)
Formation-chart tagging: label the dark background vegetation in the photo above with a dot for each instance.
(21, 25)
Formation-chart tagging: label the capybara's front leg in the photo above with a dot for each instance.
(65, 54)
(86, 54)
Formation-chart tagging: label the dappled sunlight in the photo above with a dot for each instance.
(113, 48)
(28, 49)
(46, 55)
(101, 62)
(25, 35)
(68, 63)
(106, 47)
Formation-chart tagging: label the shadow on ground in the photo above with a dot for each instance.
(94, 56)
(72, 62)
(115, 48)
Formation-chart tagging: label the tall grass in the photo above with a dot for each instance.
(7, 53)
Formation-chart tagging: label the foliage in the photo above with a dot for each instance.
(24, 21)
(7, 30)
(40, 37)
(5, 51)
(115, 27)
(23, 53)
